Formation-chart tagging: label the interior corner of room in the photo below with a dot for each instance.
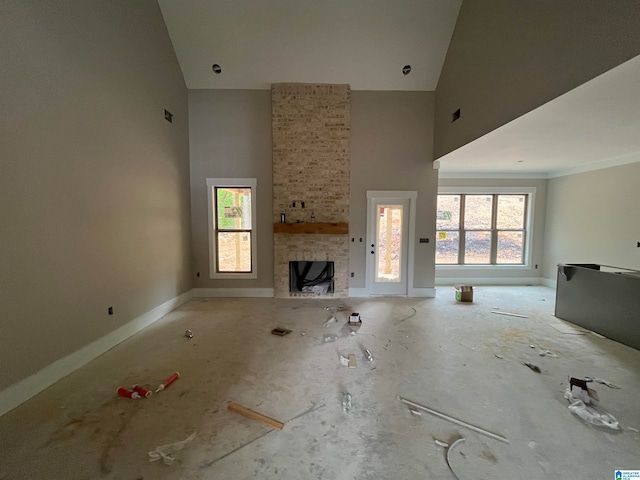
(152, 156)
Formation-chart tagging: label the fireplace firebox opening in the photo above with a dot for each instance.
(311, 277)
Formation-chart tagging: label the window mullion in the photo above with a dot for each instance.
(493, 254)
(525, 233)
(461, 231)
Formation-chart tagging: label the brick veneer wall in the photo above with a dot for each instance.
(311, 164)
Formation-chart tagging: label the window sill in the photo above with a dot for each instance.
(484, 267)
(234, 276)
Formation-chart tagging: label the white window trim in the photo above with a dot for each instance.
(232, 182)
(531, 191)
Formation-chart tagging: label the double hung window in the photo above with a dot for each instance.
(232, 235)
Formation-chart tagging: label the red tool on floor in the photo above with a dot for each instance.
(168, 382)
(143, 392)
(123, 392)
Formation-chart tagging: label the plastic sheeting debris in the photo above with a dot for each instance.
(601, 381)
(346, 402)
(593, 416)
(330, 320)
(590, 414)
(166, 452)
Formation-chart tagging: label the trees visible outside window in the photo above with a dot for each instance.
(232, 231)
(481, 229)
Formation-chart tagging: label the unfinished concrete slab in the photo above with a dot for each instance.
(456, 358)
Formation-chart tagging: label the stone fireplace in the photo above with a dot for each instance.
(311, 178)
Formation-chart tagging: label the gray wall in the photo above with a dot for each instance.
(392, 149)
(537, 237)
(593, 217)
(94, 182)
(230, 137)
(508, 57)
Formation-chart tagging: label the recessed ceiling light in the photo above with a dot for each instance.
(406, 70)
(217, 69)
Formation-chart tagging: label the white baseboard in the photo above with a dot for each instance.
(233, 292)
(413, 292)
(489, 281)
(358, 292)
(22, 391)
(422, 292)
(549, 282)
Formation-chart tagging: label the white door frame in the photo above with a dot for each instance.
(372, 195)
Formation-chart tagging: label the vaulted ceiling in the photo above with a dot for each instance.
(367, 44)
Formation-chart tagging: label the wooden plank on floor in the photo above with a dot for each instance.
(352, 360)
(258, 417)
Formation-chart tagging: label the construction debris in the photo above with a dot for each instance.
(258, 417)
(344, 361)
(498, 312)
(281, 332)
(168, 382)
(449, 450)
(352, 361)
(601, 381)
(368, 355)
(188, 334)
(329, 338)
(355, 322)
(338, 308)
(453, 420)
(329, 321)
(211, 462)
(464, 293)
(533, 367)
(583, 404)
(166, 452)
(143, 392)
(440, 443)
(547, 353)
(346, 402)
(497, 356)
(306, 412)
(123, 392)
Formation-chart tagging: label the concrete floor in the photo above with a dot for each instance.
(442, 357)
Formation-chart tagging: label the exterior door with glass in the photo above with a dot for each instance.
(387, 245)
